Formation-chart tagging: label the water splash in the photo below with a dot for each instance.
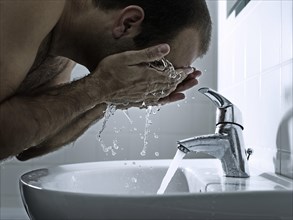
(148, 123)
(110, 110)
(108, 149)
(156, 136)
(156, 109)
(115, 144)
(171, 171)
(134, 180)
(126, 113)
(118, 130)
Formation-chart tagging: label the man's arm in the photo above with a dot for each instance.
(27, 121)
(67, 135)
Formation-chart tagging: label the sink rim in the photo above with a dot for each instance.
(184, 166)
(194, 205)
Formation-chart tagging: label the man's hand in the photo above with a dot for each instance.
(128, 78)
(189, 82)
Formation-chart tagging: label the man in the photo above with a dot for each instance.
(40, 111)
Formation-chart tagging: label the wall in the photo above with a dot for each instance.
(193, 116)
(255, 72)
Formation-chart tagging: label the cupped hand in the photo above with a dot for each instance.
(178, 94)
(189, 82)
(128, 78)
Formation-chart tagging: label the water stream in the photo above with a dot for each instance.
(171, 171)
(110, 110)
(148, 123)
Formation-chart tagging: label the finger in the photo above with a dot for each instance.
(189, 82)
(173, 97)
(186, 85)
(193, 73)
(146, 55)
(183, 74)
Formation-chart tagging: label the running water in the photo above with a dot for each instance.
(171, 171)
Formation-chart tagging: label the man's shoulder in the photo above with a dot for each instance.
(34, 17)
(23, 26)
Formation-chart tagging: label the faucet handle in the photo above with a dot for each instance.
(227, 112)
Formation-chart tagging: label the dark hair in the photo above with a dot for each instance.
(164, 19)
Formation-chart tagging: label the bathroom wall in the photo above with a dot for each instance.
(255, 72)
(193, 116)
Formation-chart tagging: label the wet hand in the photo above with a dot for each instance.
(178, 94)
(189, 82)
(128, 78)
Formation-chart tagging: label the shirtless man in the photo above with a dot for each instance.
(40, 41)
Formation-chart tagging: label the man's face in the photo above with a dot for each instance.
(184, 48)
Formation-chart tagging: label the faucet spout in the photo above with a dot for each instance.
(213, 144)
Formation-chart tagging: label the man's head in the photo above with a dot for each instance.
(165, 19)
(103, 27)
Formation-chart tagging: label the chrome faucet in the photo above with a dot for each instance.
(227, 143)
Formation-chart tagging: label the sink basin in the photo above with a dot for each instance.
(127, 190)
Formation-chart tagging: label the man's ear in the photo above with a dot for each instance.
(128, 22)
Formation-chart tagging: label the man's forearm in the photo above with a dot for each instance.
(27, 121)
(67, 135)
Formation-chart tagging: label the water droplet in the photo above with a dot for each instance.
(157, 154)
(178, 105)
(126, 113)
(133, 163)
(143, 105)
(113, 152)
(115, 145)
(143, 153)
(156, 136)
(134, 180)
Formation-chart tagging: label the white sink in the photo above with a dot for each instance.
(127, 190)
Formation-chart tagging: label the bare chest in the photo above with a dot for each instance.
(44, 69)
